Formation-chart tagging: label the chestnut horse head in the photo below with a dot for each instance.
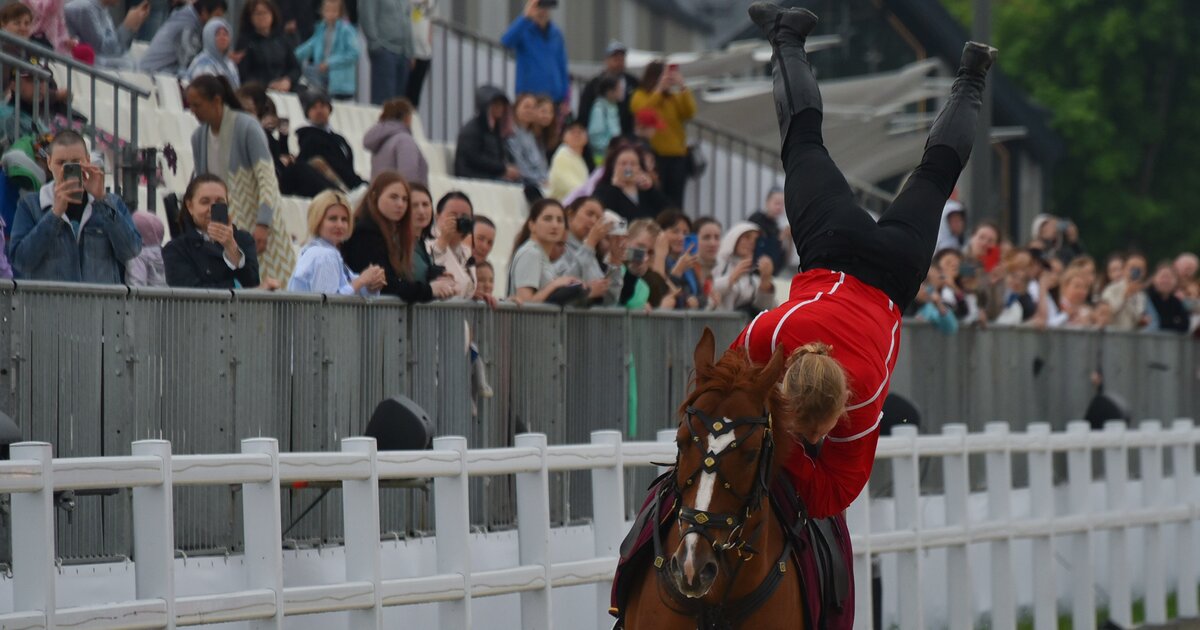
(728, 455)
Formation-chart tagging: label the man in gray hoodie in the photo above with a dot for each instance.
(178, 40)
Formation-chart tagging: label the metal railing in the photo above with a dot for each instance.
(39, 107)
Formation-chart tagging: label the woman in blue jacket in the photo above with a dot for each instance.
(330, 56)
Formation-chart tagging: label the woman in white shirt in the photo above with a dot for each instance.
(321, 268)
(454, 223)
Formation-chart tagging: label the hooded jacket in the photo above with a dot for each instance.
(743, 293)
(176, 43)
(212, 61)
(945, 239)
(342, 57)
(481, 152)
(393, 148)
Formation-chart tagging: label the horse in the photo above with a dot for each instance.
(731, 563)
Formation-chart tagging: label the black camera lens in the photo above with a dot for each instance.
(464, 225)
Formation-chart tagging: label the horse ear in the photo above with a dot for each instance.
(769, 377)
(704, 351)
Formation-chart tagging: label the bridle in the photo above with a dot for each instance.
(702, 522)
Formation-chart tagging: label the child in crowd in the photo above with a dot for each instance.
(330, 57)
(17, 19)
(604, 121)
(147, 268)
(485, 278)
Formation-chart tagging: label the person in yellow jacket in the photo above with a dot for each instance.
(662, 90)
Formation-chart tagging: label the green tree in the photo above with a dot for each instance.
(1122, 82)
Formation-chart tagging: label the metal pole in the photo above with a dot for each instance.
(982, 201)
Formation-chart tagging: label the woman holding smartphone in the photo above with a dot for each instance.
(627, 189)
(210, 252)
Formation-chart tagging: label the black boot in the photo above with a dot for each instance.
(795, 85)
(955, 125)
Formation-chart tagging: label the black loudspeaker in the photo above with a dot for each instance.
(1106, 406)
(898, 410)
(10, 434)
(399, 424)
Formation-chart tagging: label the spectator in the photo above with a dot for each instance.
(540, 51)
(323, 147)
(531, 275)
(642, 287)
(321, 268)
(614, 68)
(771, 241)
(1018, 306)
(208, 254)
(626, 188)
(662, 89)
(329, 59)
(982, 249)
(6, 272)
(743, 284)
(646, 126)
(1069, 247)
(604, 119)
(422, 48)
(547, 131)
(90, 22)
(481, 151)
(179, 39)
(1165, 310)
(568, 169)
(147, 269)
(160, 10)
(523, 145)
(449, 248)
(17, 19)
(1114, 269)
(680, 259)
(265, 53)
(1186, 266)
(930, 306)
(483, 238)
(1073, 300)
(49, 26)
(391, 143)
(295, 178)
(587, 229)
(384, 235)
(1127, 297)
(1045, 234)
(964, 306)
(953, 231)
(231, 144)
(214, 59)
(421, 206)
(708, 238)
(485, 275)
(387, 25)
(72, 230)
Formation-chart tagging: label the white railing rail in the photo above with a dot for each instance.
(32, 476)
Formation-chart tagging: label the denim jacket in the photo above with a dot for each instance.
(44, 247)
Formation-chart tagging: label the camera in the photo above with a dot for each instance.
(635, 255)
(464, 225)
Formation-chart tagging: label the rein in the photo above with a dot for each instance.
(700, 522)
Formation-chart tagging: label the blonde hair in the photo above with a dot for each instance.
(636, 228)
(320, 207)
(814, 385)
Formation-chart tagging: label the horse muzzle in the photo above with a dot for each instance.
(693, 571)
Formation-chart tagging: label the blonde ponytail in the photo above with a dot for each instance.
(814, 385)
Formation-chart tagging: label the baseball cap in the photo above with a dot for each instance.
(649, 118)
(615, 47)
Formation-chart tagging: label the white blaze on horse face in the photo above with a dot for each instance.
(703, 499)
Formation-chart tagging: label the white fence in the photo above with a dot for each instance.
(983, 544)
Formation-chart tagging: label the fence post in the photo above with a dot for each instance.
(1079, 475)
(1184, 457)
(33, 536)
(1041, 491)
(533, 533)
(360, 517)
(1152, 495)
(263, 529)
(451, 515)
(907, 480)
(957, 482)
(858, 519)
(154, 532)
(608, 514)
(1116, 479)
(999, 491)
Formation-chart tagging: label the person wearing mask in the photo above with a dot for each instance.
(1128, 297)
(91, 23)
(210, 254)
(421, 207)
(147, 269)
(531, 276)
(627, 189)
(232, 145)
(483, 238)
(72, 229)
(481, 151)
(449, 248)
(321, 268)
(1165, 310)
(614, 68)
(587, 229)
(662, 89)
(179, 39)
(744, 284)
(391, 143)
(771, 241)
(323, 147)
(568, 168)
(214, 58)
(384, 235)
(523, 145)
(540, 51)
(387, 26)
(264, 51)
(423, 13)
(329, 59)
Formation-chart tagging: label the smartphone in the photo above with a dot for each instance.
(73, 170)
(220, 213)
(635, 255)
(760, 248)
(690, 244)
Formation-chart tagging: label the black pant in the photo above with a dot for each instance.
(831, 231)
(416, 81)
(673, 174)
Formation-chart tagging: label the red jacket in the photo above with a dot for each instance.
(862, 326)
